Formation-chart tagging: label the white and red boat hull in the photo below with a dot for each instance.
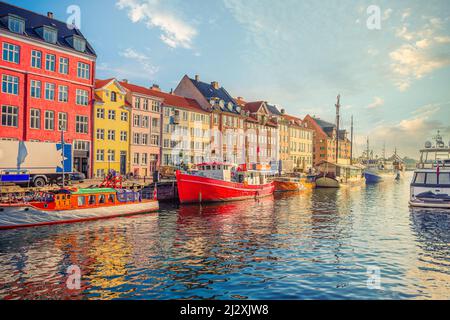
(26, 215)
(197, 189)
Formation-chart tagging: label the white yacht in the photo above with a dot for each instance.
(430, 187)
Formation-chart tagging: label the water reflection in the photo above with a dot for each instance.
(314, 244)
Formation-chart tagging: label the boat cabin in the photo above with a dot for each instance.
(341, 171)
(231, 173)
(66, 199)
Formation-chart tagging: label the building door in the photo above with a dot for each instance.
(77, 164)
(84, 166)
(123, 163)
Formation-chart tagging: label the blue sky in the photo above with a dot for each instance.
(296, 54)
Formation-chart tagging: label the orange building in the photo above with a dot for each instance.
(325, 135)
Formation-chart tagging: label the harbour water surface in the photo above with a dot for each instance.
(323, 244)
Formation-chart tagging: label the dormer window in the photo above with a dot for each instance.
(49, 34)
(16, 24)
(78, 43)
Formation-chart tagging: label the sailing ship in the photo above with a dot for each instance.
(430, 186)
(382, 169)
(334, 175)
(220, 182)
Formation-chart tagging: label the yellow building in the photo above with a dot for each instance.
(300, 144)
(111, 129)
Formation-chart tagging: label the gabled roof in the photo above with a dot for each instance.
(253, 107)
(208, 91)
(100, 84)
(294, 120)
(168, 99)
(34, 20)
(172, 100)
(273, 110)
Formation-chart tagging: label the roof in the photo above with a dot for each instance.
(273, 110)
(97, 98)
(253, 107)
(173, 100)
(208, 91)
(240, 101)
(94, 190)
(294, 120)
(34, 20)
(169, 99)
(101, 83)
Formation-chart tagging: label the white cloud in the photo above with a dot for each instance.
(143, 60)
(422, 125)
(420, 55)
(406, 14)
(175, 31)
(377, 102)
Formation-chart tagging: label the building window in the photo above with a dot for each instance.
(82, 97)
(35, 89)
(136, 158)
(113, 96)
(111, 155)
(36, 59)
(136, 138)
(137, 103)
(112, 135)
(35, 118)
(111, 114)
(10, 116)
(63, 65)
(137, 120)
(145, 107)
(79, 44)
(63, 93)
(123, 136)
(124, 116)
(49, 34)
(155, 106)
(11, 52)
(100, 134)
(16, 24)
(100, 155)
(155, 140)
(50, 62)
(10, 84)
(144, 159)
(100, 113)
(145, 139)
(62, 121)
(81, 124)
(49, 120)
(49, 91)
(84, 71)
(145, 122)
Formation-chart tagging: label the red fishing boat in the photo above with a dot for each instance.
(219, 182)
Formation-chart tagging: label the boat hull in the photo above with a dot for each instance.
(427, 204)
(326, 182)
(26, 215)
(287, 186)
(372, 177)
(196, 189)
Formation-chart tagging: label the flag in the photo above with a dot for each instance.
(155, 192)
(437, 170)
(22, 154)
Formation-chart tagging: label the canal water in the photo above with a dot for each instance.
(354, 243)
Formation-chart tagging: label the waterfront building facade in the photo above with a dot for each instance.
(111, 129)
(324, 147)
(261, 134)
(300, 144)
(185, 130)
(227, 118)
(145, 130)
(47, 78)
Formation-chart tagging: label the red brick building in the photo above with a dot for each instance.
(47, 78)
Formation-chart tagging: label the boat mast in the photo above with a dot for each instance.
(351, 143)
(338, 105)
(62, 154)
(368, 151)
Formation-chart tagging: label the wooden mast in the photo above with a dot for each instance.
(338, 105)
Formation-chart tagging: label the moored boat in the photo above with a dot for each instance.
(220, 182)
(287, 184)
(333, 175)
(430, 186)
(74, 205)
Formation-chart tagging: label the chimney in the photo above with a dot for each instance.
(155, 87)
(171, 90)
(197, 77)
(215, 85)
(50, 15)
(125, 80)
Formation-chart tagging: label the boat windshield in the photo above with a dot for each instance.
(432, 178)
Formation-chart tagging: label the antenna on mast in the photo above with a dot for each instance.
(351, 143)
